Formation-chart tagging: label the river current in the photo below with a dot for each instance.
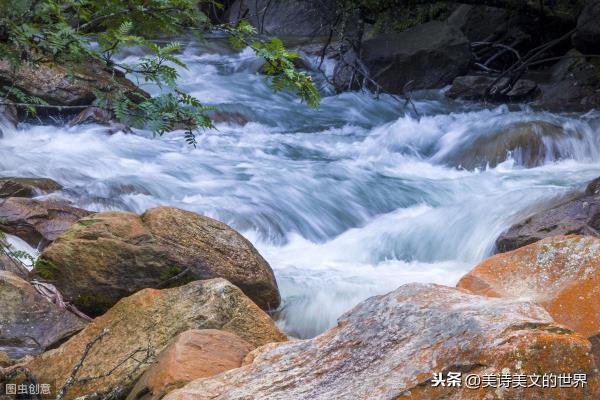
(345, 202)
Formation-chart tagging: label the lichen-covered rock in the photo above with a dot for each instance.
(389, 347)
(67, 85)
(37, 222)
(577, 215)
(27, 187)
(147, 322)
(109, 255)
(561, 273)
(191, 355)
(29, 323)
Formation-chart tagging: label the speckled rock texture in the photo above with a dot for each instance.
(110, 255)
(150, 319)
(388, 347)
(561, 273)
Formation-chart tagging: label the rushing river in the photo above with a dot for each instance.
(345, 202)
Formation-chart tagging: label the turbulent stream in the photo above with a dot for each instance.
(345, 202)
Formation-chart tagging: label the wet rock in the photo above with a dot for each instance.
(10, 263)
(389, 347)
(573, 85)
(37, 222)
(530, 144)
(579, 215)
(93, 115)
(587, 35)
(232, 118)
(109, 255)
(479, 87)
(345, 73)
(8, 116)
(28, 322)
(562, 273)
(68, 85)
(146, 323)
(286, 18)
(27, 187)
(191, 355)
(100, 116)
(428, 56)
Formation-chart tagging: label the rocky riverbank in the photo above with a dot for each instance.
(165, 303)
(529, 313)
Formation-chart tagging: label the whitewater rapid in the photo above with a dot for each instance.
(345, 202)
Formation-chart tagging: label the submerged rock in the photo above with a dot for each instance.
(110, 255)
(37, 222)
(579, 215)
(561, 273)
(142, 325)
(529, 144)
(191, 355)
(389, 347)
(27, 187)
(29, 323)
(426, 56)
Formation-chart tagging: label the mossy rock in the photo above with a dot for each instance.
(107, 256)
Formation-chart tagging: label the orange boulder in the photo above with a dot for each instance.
(392, 347)
(191, 355)
(562, 273)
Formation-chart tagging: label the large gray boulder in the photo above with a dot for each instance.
(29, 323)
(286, 17)
(587, 36)
(427, 56)
(389, 347)
(579, 215)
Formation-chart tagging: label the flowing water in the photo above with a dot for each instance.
(345, 202)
